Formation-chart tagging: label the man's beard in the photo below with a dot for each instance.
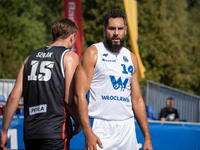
(114, 46)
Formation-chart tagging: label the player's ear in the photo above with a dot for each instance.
(72, 37)
(125, 30)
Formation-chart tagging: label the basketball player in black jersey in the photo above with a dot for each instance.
(46, 81)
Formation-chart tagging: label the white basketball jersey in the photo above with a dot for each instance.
(109, 94)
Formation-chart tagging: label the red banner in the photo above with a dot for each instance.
(73, 11)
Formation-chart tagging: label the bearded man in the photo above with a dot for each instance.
(109, 72)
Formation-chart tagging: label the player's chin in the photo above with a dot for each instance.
(115, 43)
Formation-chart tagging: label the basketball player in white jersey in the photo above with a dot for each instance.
(109, 72)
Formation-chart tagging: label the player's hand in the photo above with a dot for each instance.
(77, 128)
(147, 145)
(91, 142)
(3, 142)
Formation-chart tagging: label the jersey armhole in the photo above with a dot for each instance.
(62, 62)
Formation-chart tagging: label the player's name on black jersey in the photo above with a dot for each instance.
(44, 55)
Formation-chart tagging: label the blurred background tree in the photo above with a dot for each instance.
(169, 43)
(168, 31)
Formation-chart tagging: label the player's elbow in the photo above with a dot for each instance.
(13, 98)
(79, 98)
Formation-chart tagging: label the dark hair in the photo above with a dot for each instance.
(114, 13)
(170, 98)
(63, 29)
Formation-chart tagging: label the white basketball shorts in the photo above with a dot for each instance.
(116, 135)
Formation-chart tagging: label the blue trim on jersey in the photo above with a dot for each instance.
(91, 121)
(87, 96)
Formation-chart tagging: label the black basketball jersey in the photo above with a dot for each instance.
(45, 115)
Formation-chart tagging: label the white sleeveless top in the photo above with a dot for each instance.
(109, 95)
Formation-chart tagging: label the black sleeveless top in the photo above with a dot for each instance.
(45, 115)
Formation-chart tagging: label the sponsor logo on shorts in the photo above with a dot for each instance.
(38, 109)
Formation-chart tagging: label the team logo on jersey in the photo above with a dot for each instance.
(105, 54)
(37, 109)
(125, 58)
(118, 83)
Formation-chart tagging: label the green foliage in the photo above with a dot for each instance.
(25, 27)
(166, 43)
(20, 34)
